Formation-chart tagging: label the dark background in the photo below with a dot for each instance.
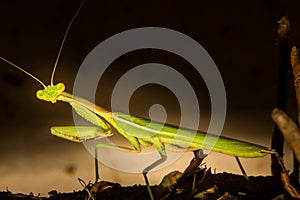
(239, 36)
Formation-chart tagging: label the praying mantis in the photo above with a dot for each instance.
(138, 131)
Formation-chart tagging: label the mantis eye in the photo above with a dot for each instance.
(39, 94)
(60, 86)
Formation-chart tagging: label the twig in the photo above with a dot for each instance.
(295, 61)
(288, 186)
(283, 62)
(289, 130)
(285, 178)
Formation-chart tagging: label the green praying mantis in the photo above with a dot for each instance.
(138, 131)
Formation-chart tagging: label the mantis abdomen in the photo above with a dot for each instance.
(146, 130)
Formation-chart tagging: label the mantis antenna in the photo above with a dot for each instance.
(63, 42)
(57, 58)
(23, 70)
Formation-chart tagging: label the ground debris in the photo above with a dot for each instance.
(267, 187)
(225, 186)
(7, 195)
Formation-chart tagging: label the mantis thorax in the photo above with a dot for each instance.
(51, 92)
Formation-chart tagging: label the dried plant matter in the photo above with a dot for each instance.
(295, 61)
(284, 27)
(289, 129)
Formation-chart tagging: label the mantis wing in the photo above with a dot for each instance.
(79, 133)
(146, 130)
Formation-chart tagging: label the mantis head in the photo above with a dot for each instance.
(51, 92)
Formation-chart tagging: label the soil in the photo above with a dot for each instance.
(201, 184)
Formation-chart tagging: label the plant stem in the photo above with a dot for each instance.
(283, 62)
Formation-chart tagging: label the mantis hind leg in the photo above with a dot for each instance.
(96, 165)
(241, 167)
